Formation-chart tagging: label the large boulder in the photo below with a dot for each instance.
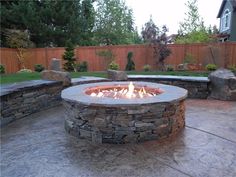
(117, 75)
(57, 76)
(223, 85)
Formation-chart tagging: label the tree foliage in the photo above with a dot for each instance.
(50, 23)
(193, 21)
(157, 38)
(130, 66)
(201, 36)
(21, 41)
(88, 20)
(192, 29)
(68, 56)
(114, 23)
(108, 57)
(18, 39)
(213, 30)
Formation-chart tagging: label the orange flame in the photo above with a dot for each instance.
(117, 93)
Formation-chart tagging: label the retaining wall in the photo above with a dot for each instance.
(25, 98)
(198, 87)
(22, 99)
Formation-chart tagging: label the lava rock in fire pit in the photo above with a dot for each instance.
(117, 75)
(57, 76)
(223, 85)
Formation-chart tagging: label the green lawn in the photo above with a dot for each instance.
(18, 77)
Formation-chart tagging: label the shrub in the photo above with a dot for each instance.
(77, 67)
(25, 71)
(189, 58)
(2, 69)
(19, 39)
(107, 55)
(82, 67)
(68, 56)
(211, 67)
(38, 68)
(170, 68)
(232, 68)
(130, 63)
(113, 65)
(146, 68)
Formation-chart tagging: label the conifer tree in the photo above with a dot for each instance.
(68, 56)
(50, 23)
(130, 63)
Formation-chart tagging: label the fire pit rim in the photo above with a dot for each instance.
(77, 94)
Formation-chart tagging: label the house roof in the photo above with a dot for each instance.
(233, 3)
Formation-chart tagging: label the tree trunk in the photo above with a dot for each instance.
(161, 65)
(21, 58)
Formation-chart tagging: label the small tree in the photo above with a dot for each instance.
(107, 55)
(192, 29)
(193, 21)
(130, 63)
(215, 30)
(158, 39)
(21, 41)
(68, 56)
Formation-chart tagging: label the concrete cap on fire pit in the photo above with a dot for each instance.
(78, 94)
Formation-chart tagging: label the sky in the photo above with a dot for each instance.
(171, 12)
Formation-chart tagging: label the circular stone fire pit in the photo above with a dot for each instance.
(94, 112)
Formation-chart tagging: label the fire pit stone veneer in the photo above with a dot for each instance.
(109, 120)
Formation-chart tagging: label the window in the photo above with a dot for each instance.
(225, 20)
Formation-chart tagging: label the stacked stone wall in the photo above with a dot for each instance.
(28, 100)
(124, 124)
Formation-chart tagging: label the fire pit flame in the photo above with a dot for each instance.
(130, 92)
(125, 92)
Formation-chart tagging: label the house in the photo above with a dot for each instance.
(171, 39)
(227, 15)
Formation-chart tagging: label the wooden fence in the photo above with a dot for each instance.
(222, 54)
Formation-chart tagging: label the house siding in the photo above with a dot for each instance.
(233, 27)
(227, 6)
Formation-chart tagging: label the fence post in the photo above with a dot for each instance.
(46, 57)
(226, 55)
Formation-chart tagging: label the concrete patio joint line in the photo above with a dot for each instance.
(211, 134)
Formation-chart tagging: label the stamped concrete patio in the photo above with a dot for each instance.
(38, 146)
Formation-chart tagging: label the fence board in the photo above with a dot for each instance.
(222, 54)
